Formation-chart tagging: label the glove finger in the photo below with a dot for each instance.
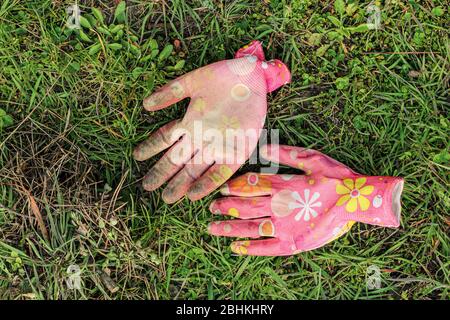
(172, 161)
(211, 180)
(266, 247)
(179, 185)
(248, 185)
(169, 94)
(242, 208)
(296, 157)
(243, 228)
(309, 160)
(158, 141)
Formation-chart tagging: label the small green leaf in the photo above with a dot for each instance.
(339, 6)
(115, 29)
(95, 48)
(437, 11)
(335, 21)
(333, 35)
(136, 73)
(345, 32)
(104, 31)
(152, 44)
(118, 35)
(154, 53)
(135, 50)
(165, 53)
(98, 14)
(314, 39)
(359, 122)
(74, 67)
(179, 65)
(119, 13)
(342, 83)
(351, 9)
(85, 23)
(146, 58)
(419, 38)
(68, 31)
(7, 121)
(361, 28)
(322, 50)
(92, 20)
(442, 157)
(120, 9)
(84, 36)
(114, 46)
(22, 31)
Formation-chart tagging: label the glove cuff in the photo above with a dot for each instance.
(393, 196)
(378, 202)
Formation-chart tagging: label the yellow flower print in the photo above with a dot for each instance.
(233, 212)
(220, 177)
(229, 123)
(240, 247)
(199, 105)
(208, 74)
(353, 193)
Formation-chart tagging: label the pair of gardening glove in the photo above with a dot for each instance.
(294, 213)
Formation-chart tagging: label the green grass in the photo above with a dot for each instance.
(376, 100)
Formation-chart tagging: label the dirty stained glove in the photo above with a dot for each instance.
(221, 126)
(302, 212)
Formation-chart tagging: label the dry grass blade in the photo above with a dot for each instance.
(37, 213)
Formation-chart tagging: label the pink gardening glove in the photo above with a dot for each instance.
(226, 97)
(302, 212)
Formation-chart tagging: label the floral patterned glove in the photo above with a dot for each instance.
(302, 212)
(201, 155)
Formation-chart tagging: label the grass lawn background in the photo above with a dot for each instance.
(70, 192)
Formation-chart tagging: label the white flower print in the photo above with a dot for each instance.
(306, 205)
